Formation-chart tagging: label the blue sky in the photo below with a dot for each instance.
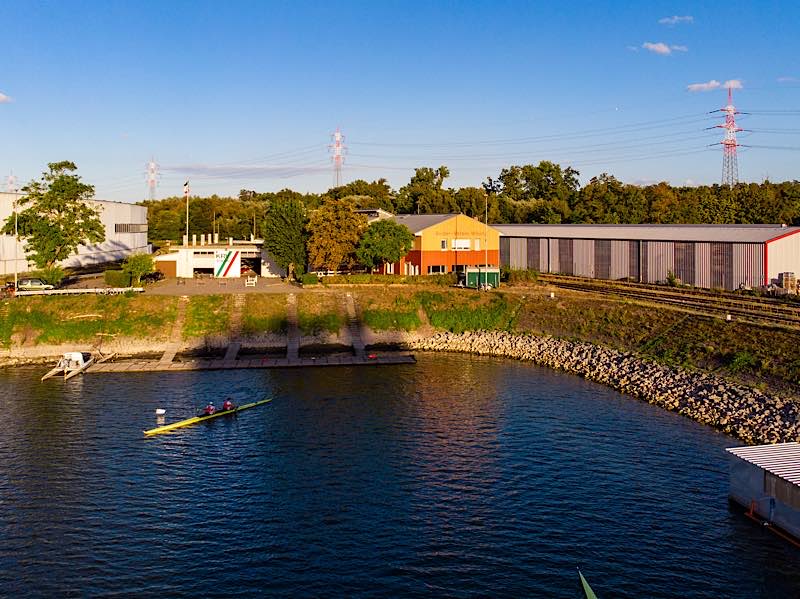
(246, 94)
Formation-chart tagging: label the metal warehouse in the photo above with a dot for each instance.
(709, 256)
(125, 234)
(766, 479)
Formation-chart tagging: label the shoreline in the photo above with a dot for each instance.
(751, 415)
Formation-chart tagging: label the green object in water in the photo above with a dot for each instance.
(586, 588)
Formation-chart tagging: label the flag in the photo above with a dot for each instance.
(186, 189)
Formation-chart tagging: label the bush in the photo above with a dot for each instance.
(51, 274)
(742, 360)
(137, 265)
(117, 278)
(309, 279)
(521, 276)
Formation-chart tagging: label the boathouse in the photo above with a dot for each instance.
(765, 479)
(707, 256)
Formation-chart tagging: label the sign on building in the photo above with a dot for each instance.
(227, 264)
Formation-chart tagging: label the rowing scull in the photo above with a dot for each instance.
(198, 419)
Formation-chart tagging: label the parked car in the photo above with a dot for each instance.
(33, 285)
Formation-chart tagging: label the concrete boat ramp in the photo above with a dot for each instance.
(168, 363)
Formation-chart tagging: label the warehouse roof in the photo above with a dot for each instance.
(418, 222)
(781, 459)
(732, 233)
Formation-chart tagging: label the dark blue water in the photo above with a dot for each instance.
(459, 476)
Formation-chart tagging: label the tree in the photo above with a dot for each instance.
(137, 265)
(334, 232)
(284, 232)
(424, 193)
(384, 241)
(58, 218)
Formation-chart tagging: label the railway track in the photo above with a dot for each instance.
(750, 309)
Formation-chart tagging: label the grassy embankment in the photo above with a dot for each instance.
(60, 320)
(320, 312)
(264, 314)
(750, 353)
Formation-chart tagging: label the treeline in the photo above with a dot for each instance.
(543, 193)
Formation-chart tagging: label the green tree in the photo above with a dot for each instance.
(384, 241)
(334, 232)
(58, 217)
(425, 193)
(284, 232)
(137, 265)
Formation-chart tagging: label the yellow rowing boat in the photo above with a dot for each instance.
(198, 419)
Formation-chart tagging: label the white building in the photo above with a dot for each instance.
(126, 234)
(222, 260)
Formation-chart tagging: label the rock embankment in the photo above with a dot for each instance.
(751, 415)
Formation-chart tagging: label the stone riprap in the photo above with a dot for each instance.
(747, 413)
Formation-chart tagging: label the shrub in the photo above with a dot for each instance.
(51, 274)
(521, 276)
(117, 278)
(137, 265)
(309, 279)
(742, 360)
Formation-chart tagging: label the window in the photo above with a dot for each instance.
(444, 244)
(437, 269)
(130, 228)
(460, 244)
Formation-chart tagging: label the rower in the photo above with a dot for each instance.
(210, 409)
(228, 404)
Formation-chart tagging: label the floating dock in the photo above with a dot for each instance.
(223, 364)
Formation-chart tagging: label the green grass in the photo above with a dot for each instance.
(252, 324)
(55, 320)
(391, 320)
(207, 315)
(311, 324)
(467, 311)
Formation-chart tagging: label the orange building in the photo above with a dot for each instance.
(446, 243)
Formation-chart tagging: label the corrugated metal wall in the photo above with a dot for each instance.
(748, 265)
(583, 258)
(505, 251)
(620, 255)
(660, 260)
(519, 253)
(702, 264)
(684, 262)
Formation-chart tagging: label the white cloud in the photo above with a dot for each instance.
(703, 87)
(672, 21)
(662, 48)
(4, 99)
(788, 79)
(633, 48)
(714, 84)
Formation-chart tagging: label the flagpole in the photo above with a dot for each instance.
(186, 193)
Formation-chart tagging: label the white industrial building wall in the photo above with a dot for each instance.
(125, 234)
(783, 255)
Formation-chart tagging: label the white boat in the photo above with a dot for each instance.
(71, 364)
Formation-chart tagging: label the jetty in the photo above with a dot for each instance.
(169, 361)
(223, 364)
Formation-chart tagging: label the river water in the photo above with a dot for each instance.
(459, 476)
